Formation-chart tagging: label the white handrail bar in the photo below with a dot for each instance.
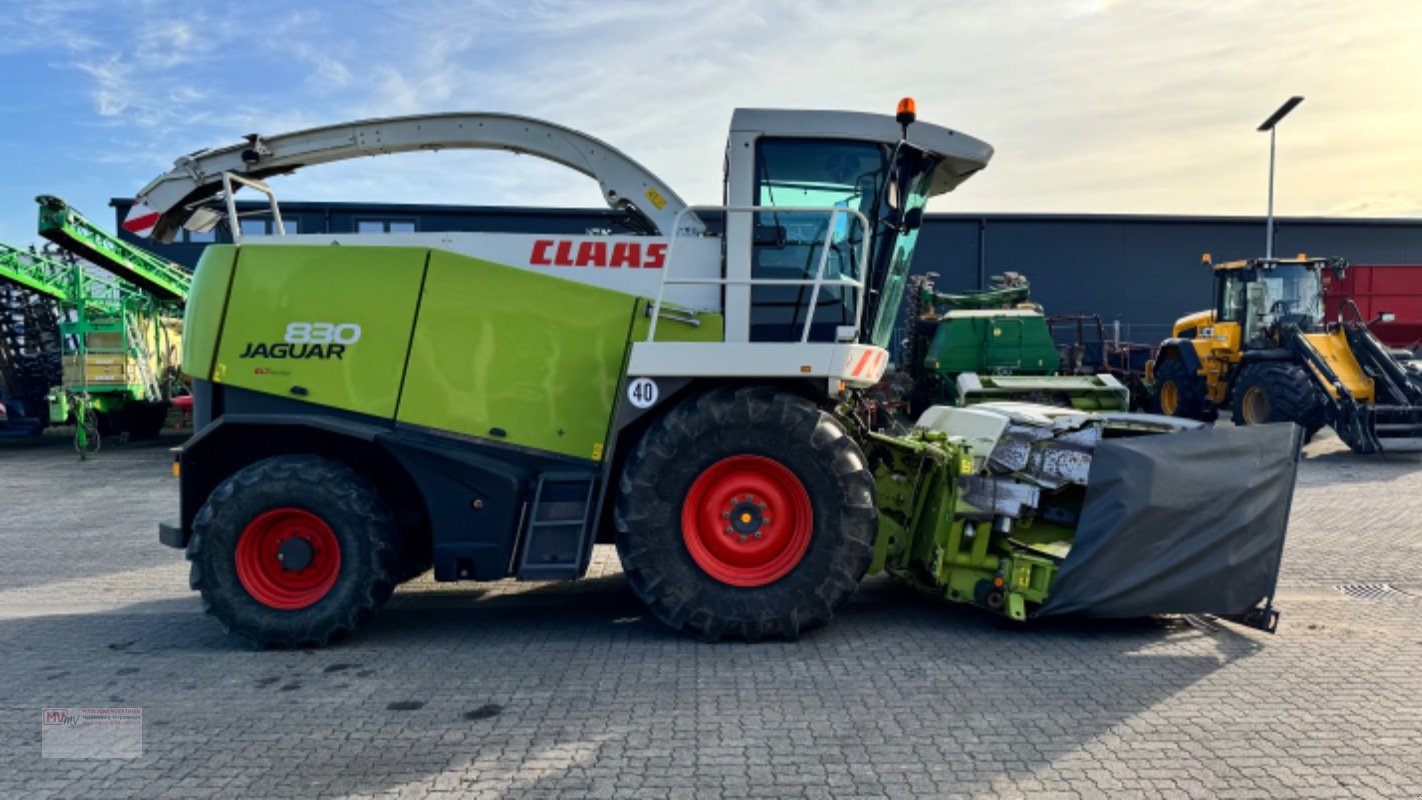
(818, 281)
(228, 178)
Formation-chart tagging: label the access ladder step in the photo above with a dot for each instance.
(559, 527)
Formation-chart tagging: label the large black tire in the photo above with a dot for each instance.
(769, 440)
(1277, 392)
(1178, 391)
(110, 423)
(357, 520)
(147, 419)
(137, 419)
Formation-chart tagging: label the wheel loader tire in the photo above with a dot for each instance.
(1277, 392)
(745, 513)
(293, 551)
(1178, 391)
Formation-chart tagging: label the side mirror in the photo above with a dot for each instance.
(1386, 316)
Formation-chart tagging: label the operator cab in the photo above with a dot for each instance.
(830, 196)
(1261, 294)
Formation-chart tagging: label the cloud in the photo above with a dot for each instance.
(1092, 105)
(26, 27)
(113, 94)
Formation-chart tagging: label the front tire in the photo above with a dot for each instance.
(293, 551)
(745, 513)
(1277, 392)
(1178, 391)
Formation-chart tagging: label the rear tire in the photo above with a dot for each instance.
(755, 461)
(1178, 391)
(299, 508)
(1277, 392)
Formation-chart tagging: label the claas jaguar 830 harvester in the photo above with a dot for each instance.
(492, 405)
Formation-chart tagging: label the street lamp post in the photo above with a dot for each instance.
(1269, 125)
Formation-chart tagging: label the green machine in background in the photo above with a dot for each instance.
(991, 345)
(118, 343)
(117, 317)
(123, 333)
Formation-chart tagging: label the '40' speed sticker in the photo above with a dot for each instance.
(642, 392)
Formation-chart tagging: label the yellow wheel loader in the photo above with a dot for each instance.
(1266, 350)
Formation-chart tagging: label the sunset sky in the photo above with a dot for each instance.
(1093, 107)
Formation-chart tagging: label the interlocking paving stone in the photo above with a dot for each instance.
(570, 690)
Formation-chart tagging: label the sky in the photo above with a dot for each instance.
(1093, 106)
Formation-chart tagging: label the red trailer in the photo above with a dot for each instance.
(1376, 288)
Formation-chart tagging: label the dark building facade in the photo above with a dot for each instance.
(1141, 271)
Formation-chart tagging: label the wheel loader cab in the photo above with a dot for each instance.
(1258, 296)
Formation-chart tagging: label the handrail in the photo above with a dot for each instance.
(233, 218)
(818, 282)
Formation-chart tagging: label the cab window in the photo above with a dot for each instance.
(790, 245)
(1231, 301)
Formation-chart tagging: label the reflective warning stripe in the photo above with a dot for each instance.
(141, 220)
(864, 359)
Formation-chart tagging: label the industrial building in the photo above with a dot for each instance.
(1141, 271)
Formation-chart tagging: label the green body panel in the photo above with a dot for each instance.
(932, 539)
(1006, 344)
(497, 352)
(517, 357)
(207, 302)
(329, 288)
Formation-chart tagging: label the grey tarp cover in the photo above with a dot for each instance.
(1183, 523)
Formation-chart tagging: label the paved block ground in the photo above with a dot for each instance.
(571, 691)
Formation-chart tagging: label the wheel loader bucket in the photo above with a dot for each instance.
(1189, 523)
(1083, 392)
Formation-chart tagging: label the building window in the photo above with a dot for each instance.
(267, 227)
(385, 226)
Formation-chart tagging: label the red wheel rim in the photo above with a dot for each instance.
(285, 535)
(747, 520)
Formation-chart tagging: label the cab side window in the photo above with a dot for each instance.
(1231, 301)
(791, 245)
